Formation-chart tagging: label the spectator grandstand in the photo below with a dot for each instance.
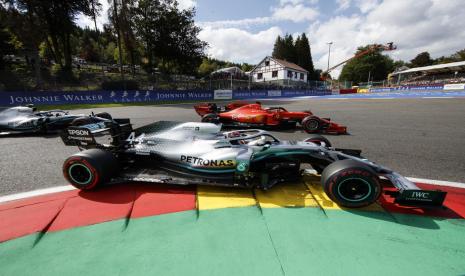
(447, 73)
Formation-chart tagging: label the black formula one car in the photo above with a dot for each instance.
(200, 154)
(27, 119)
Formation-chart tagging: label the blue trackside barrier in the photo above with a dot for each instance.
(96, 97)
(262, 94)
(141, 96)
(408, 88)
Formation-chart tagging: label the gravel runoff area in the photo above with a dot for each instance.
(423, 138)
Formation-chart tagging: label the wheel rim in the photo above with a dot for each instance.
(354, 189)
(80, 174)
(312, 124)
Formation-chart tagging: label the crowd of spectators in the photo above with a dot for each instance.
(432, 79)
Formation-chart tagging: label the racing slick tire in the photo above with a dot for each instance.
(210, 118)
(311, 124)
(89, 169)
(104, 115)
(351, 184)
(318, 139)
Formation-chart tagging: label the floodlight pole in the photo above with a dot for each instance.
(329, 53)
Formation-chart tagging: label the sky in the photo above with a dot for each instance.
(245, 30)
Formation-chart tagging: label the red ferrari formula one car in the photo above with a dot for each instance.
(243, 114)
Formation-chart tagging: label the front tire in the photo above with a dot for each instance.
(89, 169)
(311, 124)
(351, 184)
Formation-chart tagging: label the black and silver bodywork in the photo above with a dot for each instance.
(26, 119)
(200, 154)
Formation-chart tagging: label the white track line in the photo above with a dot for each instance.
(438, 97)
(36, 193)
(437, 182)
(69, 188)
(380, 98)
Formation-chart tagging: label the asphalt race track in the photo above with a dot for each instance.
(423, 138)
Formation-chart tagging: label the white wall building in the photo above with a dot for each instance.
(272, 69)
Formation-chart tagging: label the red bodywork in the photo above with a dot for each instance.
(254, 115)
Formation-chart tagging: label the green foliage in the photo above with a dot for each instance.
(422, 59)
(399, 63)
(209, 65)
(246, 67)
(89, 48)
(285, 49)
(457, 56)
(6, 47)
(169, 35)
(109, 53)
(375, 65)
(304, 56)
(120, 85)
(297, 52)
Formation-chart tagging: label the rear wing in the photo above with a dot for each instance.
(109, 133)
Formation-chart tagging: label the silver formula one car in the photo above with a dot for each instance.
(26, 119)
(200, 154)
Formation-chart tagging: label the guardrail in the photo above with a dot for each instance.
(148, 96)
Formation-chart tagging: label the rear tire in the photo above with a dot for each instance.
(210, 118)
(311, 124)
(351, 184)
(89, 169)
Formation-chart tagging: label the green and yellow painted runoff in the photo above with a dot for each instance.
(247, 241)
(288, 230)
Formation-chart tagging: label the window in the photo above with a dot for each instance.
(259, 76)
(301, 76)
(289, 74)
(267, 63)
(274, 74)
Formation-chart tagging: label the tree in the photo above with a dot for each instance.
(278, 48)
(285, 49)
(246, 67)
(422, 59)
(54, 20)
(207, 67)
(459, 55)
(399, 63)
(169, 35)
(6, 46)
(289, 49)
(374, 64)
(24, 25)
(123, 25)
(304, 56)
(88, 46)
